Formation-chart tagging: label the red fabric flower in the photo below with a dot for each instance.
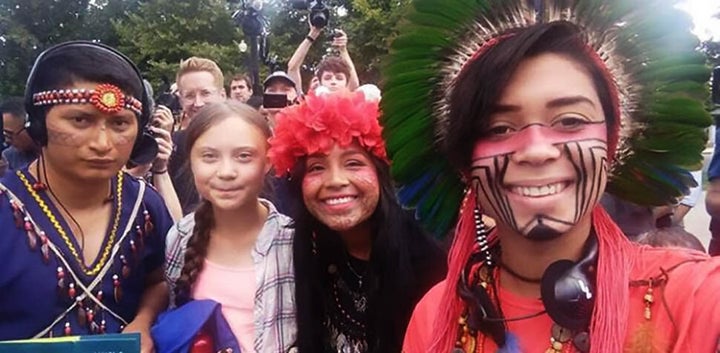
(319, 123)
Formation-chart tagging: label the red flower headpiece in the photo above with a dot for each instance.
(315, 125)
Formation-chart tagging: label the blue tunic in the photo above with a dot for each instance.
(46, 289)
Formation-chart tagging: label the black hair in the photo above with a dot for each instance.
(64, 66)
(14, 106)
(482, 82)
(404, 264)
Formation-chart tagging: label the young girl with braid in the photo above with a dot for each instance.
(235, 249)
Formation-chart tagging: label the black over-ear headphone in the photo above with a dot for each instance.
(145, 148)
(567, 290)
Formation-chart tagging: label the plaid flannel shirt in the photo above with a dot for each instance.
(275, 325)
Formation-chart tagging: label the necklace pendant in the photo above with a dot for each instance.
(581, 341)
(361, 304)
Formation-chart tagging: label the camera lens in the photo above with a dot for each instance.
(318, 19)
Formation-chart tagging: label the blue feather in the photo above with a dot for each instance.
(411, 192)
(512, 344)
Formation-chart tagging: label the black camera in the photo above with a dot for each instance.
(319, 13)
(171, 101)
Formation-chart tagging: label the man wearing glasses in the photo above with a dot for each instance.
(22, 149)
(200, 82)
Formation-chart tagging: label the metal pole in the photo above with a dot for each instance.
(254, 63)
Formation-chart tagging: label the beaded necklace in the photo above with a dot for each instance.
(348, 321)
(561, 339)
(56, 224)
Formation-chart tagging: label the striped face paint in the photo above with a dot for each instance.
(542, 179)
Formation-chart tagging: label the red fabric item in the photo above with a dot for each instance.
(203, 343)
(685, 316)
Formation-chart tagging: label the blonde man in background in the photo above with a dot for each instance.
(200, 82)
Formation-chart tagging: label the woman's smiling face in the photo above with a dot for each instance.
(341, 188)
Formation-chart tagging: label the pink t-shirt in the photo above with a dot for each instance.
(234, 289)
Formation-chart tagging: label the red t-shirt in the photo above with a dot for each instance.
(691, 293)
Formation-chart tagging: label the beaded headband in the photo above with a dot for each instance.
(106, 97)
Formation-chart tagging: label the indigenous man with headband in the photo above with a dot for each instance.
(523, 123)
(83, 243)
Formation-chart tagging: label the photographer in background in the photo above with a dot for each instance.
(334, 80)
(279, 91)
(171, 101)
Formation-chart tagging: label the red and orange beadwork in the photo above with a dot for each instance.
(106, 97)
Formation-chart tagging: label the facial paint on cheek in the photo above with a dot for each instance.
(64, 138)
(589, 158)
(487, 175)
(365, 177)
(583, 160)
(311, 181)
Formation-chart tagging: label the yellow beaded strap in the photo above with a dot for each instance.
(113, 232)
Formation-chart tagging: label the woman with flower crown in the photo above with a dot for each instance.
(361, 262)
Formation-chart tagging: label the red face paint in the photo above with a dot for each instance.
(535, 134)
(540, 181)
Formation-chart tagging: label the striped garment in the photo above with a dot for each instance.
(275, 325)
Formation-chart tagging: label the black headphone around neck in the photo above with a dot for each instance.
(145, 148)
(567, 289)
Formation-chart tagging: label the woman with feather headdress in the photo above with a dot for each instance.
(541, 107)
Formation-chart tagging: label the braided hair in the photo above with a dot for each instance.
(195, 252)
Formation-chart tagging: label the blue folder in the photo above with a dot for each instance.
(108, 343)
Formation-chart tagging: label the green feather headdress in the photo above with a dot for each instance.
(646, 46)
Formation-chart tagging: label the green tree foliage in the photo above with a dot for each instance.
(372, 27)
(29, 26)
(160, 33)
(101, 15)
